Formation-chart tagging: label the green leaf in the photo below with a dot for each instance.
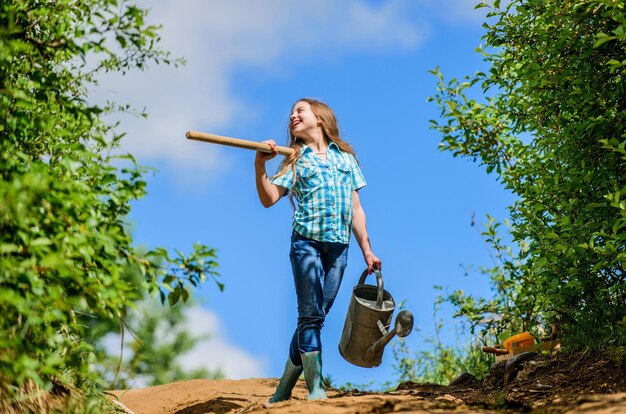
(8, 248)
(40, 241)
(173, 297)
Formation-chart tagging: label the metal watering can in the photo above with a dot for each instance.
(365, 332)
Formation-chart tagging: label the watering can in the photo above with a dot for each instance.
(366, 330)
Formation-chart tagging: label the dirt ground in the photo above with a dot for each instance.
(573, 383)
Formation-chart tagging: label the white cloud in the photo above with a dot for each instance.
(214, 352)
(221, 36)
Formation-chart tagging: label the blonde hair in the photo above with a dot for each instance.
(330, 129)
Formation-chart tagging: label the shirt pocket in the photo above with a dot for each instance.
(344, 174)
(310, 178)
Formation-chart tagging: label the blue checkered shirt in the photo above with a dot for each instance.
(324, 193)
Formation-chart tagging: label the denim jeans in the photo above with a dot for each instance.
(317, 273)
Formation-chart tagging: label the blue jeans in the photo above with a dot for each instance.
(317, 273)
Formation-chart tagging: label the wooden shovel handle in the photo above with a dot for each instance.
(497, 351)
(236, 142)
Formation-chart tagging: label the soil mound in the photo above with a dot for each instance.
(573, 383)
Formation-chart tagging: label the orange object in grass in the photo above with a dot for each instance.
(519, 342)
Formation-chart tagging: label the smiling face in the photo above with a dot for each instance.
(303, 120)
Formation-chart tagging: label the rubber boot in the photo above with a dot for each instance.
(287, 382)
(312, 366)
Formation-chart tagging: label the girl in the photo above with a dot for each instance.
(324, 177)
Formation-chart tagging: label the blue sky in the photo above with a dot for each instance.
(247, 63)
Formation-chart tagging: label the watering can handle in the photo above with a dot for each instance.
(379, 283)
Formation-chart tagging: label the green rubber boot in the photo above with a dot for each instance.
(312, 365)
(287, 382)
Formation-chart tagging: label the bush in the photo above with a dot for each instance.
(64, 239)
(551, 125)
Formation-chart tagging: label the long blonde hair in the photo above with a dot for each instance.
(330, 129)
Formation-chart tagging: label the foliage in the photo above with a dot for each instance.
(510, 310)
(64, 199)
(142, 349)
(33, 399)
(439, 363)
(155, 338)
(551, 125)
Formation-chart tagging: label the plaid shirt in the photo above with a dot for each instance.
(324, 193)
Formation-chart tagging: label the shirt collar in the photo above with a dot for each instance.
(306, 148)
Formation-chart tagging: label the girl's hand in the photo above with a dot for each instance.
(263, 157)
(373, 262)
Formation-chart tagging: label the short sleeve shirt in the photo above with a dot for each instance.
(323, 191)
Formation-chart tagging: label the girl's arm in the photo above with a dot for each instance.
(269, 193)
(360, 233)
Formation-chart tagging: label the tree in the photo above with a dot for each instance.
(551, 124)
(144, 348)
(154, 338)
(64, 240)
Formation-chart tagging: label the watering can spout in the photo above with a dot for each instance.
(402, 328)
